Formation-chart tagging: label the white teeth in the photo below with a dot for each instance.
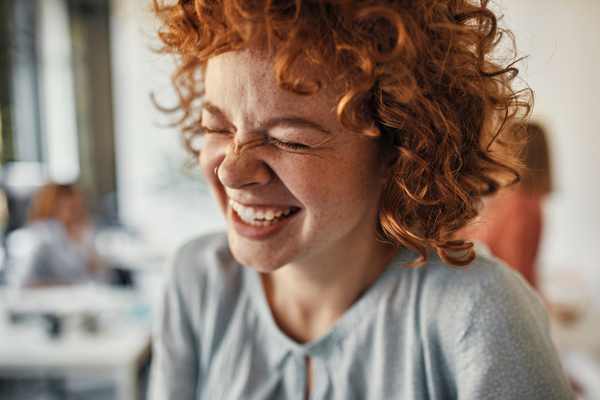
(269, 215)
(258, 217)
(249, 213)
(234, 205)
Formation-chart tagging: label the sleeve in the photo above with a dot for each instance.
(174, 370)
(505, 351)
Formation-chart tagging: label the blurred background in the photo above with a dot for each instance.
(77, 79)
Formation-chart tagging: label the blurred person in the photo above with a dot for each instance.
(511, 223)
(55, 246)
(344, 139)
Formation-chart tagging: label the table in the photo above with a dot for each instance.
(118, 348)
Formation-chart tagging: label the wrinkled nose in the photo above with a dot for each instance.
(243, 167)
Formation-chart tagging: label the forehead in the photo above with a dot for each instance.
(244, 82)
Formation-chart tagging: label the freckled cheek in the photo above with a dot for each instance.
(302, 179)
(321, 188)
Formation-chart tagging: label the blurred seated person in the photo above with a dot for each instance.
(511, 223)
(55, 246)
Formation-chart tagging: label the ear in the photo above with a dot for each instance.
(386, 165)
(387, 156)
(387, 153)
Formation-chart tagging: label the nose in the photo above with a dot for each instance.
(243, 167)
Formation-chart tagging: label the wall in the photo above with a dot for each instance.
(561, 39)
(164, 203)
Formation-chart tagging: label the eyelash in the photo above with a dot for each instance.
(290, 145)
(206, 130)
(277, 142)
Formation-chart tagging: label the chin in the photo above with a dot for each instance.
(253, 257)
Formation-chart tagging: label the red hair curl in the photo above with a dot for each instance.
(419, 75)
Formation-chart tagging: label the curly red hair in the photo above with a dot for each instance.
(419, 75)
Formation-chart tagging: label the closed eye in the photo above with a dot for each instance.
(276, 142)
(288, 145)
(217, 131)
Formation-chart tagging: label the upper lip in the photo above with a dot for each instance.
(257, 205)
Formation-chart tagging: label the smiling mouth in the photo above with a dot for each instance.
(262, 216)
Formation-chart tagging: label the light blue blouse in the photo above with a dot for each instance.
(432, 332)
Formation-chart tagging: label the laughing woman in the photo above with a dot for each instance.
(346, 141)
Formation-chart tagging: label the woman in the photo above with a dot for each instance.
(345, 139)
(55, 246)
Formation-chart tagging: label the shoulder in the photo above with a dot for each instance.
(33, 237)
(202, 254)
(204, 270)
(21, 240)
(448, 300)
(483, 278)
(486, 295)
(44, 226)
(47, 232)
(203, 258)
(196, 277)
(490, 329)
(480, 303)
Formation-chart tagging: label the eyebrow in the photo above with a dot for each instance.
(211, 108)
(291, 122)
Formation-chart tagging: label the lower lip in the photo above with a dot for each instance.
(258, 232)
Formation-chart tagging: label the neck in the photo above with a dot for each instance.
(307, 298)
